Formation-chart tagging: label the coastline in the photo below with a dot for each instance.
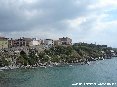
(54, 56)
(49, 65)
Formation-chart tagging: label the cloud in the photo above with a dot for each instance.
(82, 20)
(103, 4)
(28, 14)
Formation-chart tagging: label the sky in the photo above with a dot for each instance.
(82, 20)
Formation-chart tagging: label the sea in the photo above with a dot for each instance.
(102, 73)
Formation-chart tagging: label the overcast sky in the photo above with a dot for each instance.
(82, 20)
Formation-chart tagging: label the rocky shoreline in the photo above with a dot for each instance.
(55, 56)
(48, 65)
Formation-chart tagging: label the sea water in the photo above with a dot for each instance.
(97, 72)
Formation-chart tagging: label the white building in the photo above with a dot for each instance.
(35, 42)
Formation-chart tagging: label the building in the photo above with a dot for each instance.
(11, 43)
(3, 42)
(19, 42)
(35, 42)
(27, 41)
(57, 42)
(22, 42)
(49, 42)
(66, 41)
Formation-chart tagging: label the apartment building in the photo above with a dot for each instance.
(66, 41)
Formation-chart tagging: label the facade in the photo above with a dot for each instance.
(66, 41)
(27, 41)
(35, 42)
(11, 43)
(3, 42)
(20, 42)
(57, 42)
(24, 42)
(49, 42)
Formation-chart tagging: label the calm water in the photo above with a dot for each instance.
(97, 72)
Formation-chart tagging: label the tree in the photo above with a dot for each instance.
(24, 58)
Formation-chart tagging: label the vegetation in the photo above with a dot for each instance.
(57, 54)
(65, 54)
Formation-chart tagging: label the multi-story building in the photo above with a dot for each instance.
(24, 42)
(35, 42)
(11, 43)
(20, 42)
(49, 42)
(27, 41)
(66, 41)
(3, 42)
(57, 42)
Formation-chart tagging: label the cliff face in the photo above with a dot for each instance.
(56, 54)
